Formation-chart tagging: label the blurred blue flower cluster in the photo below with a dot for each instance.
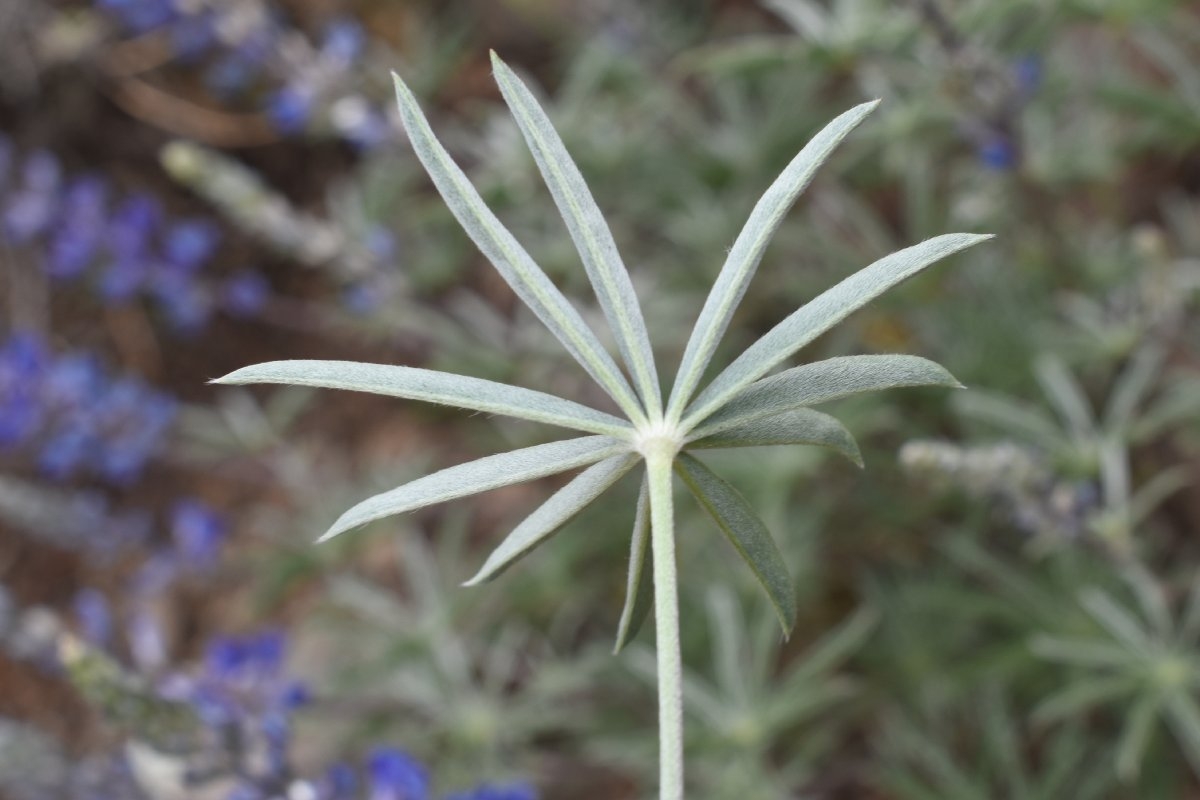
(248, 50)
(73, 418)
(127, 246)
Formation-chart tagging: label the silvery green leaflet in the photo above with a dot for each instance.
(741, 407)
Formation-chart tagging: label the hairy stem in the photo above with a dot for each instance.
(659, 456)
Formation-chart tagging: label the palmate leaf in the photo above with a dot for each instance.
(588, 230)
(491, 472)
(434, 387)
(511, 260)
(821, 382)
(639, 588)
(745, 531)
(748, 250)
(801, 426)
(819, 315)
(554, 513)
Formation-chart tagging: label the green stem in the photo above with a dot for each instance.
(659, 456)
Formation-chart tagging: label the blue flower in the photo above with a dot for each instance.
(186, 303)
(190, 243)
(193, 35)
(23, 359)
(198, 532)
(341, 783)
(395, 775)
(1027, 71)
(132, 420)
(997, 152)
(139, 16)
(344, 41)
(32, 210)
(133, 225)
(289, 108)
(489, 792)
(230, 75)
(245, 294)
(66, 451)
(77, 240)
(95, 616)
(72, 382)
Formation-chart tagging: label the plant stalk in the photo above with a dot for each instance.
(659, 457)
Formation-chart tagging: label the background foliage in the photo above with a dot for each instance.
(1004, 604)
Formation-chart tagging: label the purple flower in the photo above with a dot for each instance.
(186, 303)
(95, 616)
(78, 239)
(66, 451)
(133, 224)
(344, 41)
(72, 382)
(997, 152)
(230, 75)
(245, 662)
(489, 792)
(289, 108)
(1027, 71)
(190, 243)
(123, 279)
(341, 783)
(198, 532)
(365, 297)
(245, 294)
(395, 775)
(139, 16)
(193, 35)
(33, 209)
(382, 243)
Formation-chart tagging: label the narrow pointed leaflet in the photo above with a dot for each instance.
(588, 230)
(491, 472)
(443, 388)
(748, 250)
(515, 265)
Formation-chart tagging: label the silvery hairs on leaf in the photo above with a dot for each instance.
(742, 407)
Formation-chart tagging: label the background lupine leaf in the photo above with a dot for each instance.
(510, 259)
(746, 532)
(430, 386)
(801, 426)
(490, 472)
(554, 513)
(1135, 737)
(822, 313)
(748, 249)
(588, 230)
(639, 588)
(821, 382)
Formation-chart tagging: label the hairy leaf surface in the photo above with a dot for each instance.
(639, 587)
(511, 260)
(821, 382)
(801, 426)
(748, 249)
(430, 386)
(822, 313)
(746, 532)
(491, 472)
(554, 513)
(588, 230)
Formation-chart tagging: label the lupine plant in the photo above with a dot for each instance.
(740, 407)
